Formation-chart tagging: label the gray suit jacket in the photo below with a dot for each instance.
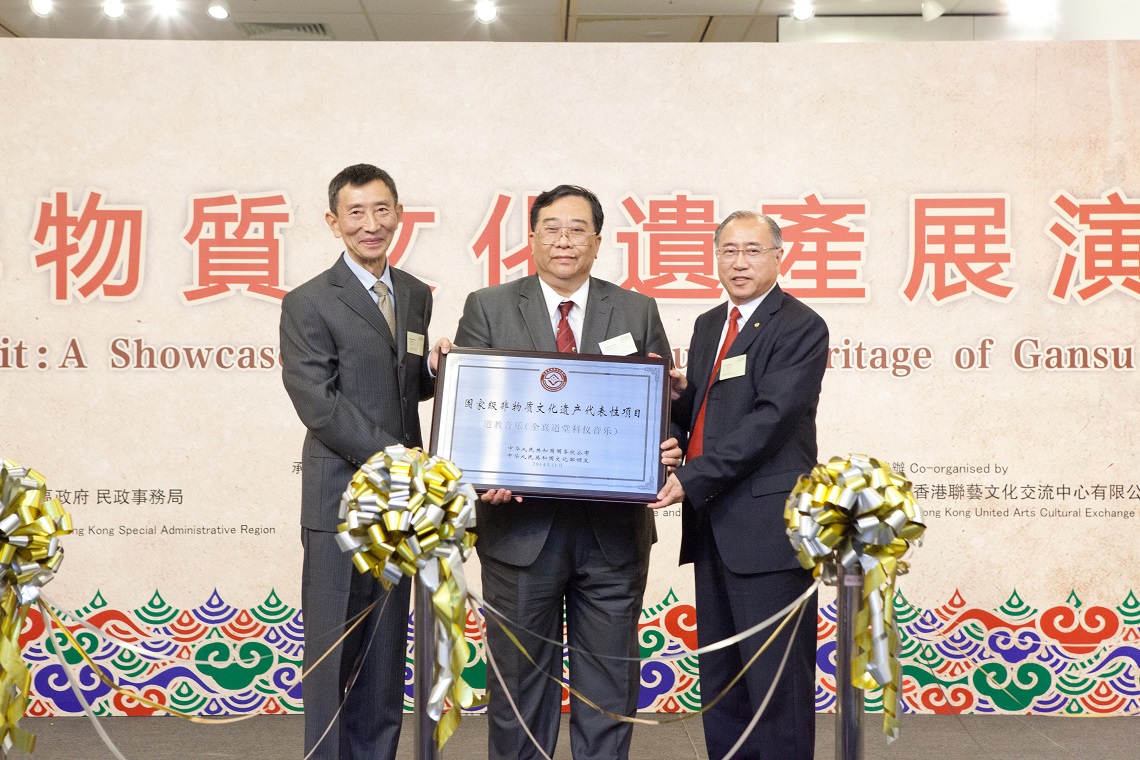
(354, 384)
(513, 316)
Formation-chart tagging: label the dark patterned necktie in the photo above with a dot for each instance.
(566, 344)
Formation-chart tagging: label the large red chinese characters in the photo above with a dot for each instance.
(95, 250)
(237, 245)
(410, 223)
(959, 245)
(669, 249)
(823, 251)
(490, 247)
(1100, 246)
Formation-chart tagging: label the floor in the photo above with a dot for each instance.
(924, 737)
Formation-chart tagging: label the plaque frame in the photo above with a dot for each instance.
(640, 383)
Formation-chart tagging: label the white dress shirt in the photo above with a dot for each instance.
(577, 315)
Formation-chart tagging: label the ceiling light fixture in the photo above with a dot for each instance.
(113, 8)
(1032, 12)
(166, 7)
(932, 9)
(219, 10)
(486, 11)
(41, 8)
(803, 10)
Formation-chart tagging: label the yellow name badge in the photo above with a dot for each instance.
(415, 343)
(733, 367)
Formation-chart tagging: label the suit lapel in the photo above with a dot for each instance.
(702, 362)
(403, 309)
(355, 296)
(597, 323)
(753, 326)
(759, 319)
(532, 308)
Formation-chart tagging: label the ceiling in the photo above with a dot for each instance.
(519, 20)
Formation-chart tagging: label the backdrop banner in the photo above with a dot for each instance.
(965, 216)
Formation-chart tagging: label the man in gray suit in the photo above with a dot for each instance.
(542, 553)
(352, 352)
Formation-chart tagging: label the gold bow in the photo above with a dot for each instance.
(863, 515)
(30, 552)
(407, 514)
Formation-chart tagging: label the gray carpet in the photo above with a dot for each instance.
(924, 737)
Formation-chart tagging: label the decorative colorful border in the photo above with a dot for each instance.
(216, 659)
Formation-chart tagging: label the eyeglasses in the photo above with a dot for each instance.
(551, 235)
(751, 252)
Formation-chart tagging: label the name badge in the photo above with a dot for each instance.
(734, 367)
(415, 343)
(622, 345)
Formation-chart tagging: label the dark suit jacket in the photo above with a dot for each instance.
(759, 430)
(354, 385)
(514, 316)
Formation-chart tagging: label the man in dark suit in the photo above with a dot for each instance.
(541, 553)
(352, 352)
(747, 411)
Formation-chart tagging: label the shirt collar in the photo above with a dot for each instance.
(367, 279)
(748, 307)
(579, 296)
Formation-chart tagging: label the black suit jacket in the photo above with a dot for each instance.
(514, 316)
(353, 383)
(760, 433)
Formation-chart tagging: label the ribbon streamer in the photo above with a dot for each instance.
(30, 553)
(408, 514)
(859, 513)
(783, 616)
(512, 629)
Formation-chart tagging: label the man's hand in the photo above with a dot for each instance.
(442, 346)
(670, 455)
(677, 380)
(671, 493)
(677, 383)
(498, 496)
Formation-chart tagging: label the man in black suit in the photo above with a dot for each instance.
(541, 553)
(352, 353)
(747, 411)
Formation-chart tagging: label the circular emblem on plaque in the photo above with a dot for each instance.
(553, 379)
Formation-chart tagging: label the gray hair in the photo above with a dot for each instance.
(777, 235)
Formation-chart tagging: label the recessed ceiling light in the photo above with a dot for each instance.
(486, 11)
(218, 9)
(1032, 12)
(113, 8)
(41, 8)
(803, 10)
(166, 7)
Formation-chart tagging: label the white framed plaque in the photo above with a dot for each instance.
(578, 426)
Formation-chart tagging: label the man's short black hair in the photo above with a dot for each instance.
(359, 175)
(563, 191)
